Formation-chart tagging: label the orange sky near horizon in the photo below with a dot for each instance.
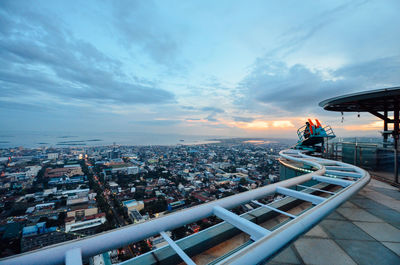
(288, 126)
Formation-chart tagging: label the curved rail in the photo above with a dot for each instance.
(266, 242)
(272, 243)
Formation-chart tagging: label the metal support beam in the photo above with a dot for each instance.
(255, 231)
(396, 126)
(267, 247)
(311, 188)
(385, 126)
(343, 173)
(300, 195)
(73, 257)
(327, 163)
(340, 168)
(380, 116)
(339, 182)
(177, 249)
(396, 132)
(274, 209)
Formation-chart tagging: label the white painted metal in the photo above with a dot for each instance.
(343, 173)
(123, 236)
(73, 257)
(340, 168)
(177, 249)
(311, 188)
(269, 245)
(255, 231)
(300, 195)
(256, 252)
(335, 181)
(274, 209)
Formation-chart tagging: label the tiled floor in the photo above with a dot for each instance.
(364, 230)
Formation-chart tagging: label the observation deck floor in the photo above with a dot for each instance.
(364, 230)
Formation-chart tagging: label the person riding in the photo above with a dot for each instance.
(307, 131)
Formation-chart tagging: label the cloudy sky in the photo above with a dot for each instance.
(229, 68)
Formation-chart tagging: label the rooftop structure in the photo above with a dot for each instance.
(379, 103)
(364, 230)
(84, 224)
(374, 102)
(133, 205)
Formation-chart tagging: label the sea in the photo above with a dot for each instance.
(34, 139)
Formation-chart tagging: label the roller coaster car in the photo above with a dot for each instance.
(312, 137)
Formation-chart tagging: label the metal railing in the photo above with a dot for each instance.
(381, 159)
(265, 242)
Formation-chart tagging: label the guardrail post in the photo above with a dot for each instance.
(254, 230)
(177, 249)
(396, 166)
(355, 154)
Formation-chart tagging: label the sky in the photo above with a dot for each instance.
(221, 68)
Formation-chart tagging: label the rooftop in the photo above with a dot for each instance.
(364, 230)
(372, 100)
(130, 203)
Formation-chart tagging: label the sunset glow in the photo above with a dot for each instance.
(257, 73)
(377, 125)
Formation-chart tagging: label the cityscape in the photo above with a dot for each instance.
(170, 132)
(51, 195)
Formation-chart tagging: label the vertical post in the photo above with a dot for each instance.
(396, 166)
(355, 154)
(396, 126)
(335, 151)
(385, 128)
(396, 141)
(327, 148)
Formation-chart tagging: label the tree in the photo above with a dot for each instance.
(243, 181)
(61, 218)
(51, 222)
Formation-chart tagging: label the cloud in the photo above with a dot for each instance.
(211, 117)
(373, 126)
(282, 124)
(157, 122)
(206, 109)
(243, 119)
(188, 107)
(193, 119)
(8, 105)
(254, 125)
(214, 112)
(141, 24)
(213, 109)
(294, 38)
(44, 59)
(284, 89)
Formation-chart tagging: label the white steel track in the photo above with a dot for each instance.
(266, 243)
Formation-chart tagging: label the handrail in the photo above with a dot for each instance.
(270, 244)
(261, 249)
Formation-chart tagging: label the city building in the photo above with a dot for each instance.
(133, 205)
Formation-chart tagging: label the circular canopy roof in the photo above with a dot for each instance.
(373, 100)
